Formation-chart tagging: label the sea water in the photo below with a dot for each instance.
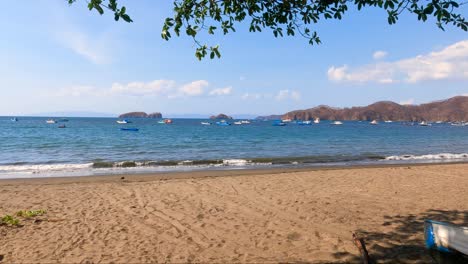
(91, 146)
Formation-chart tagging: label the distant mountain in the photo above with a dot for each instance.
(453, 109)
(269, 117)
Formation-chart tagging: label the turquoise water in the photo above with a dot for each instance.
(90, 146)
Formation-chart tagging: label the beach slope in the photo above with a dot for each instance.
(238, 216)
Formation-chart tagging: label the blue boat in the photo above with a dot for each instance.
(223, 123)
(446, 237)
(129, 129)
(278, 123)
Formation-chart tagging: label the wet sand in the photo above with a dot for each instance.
(282, 215)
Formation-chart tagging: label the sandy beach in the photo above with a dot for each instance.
(283, 215)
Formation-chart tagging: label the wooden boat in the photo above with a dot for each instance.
(446, 237)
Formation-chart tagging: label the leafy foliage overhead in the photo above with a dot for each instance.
(282, 17)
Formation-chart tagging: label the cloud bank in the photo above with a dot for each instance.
(450, 63)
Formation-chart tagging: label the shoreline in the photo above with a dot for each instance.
(206, 173)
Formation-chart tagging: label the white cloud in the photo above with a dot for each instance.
(221, 91)
(407, 102)
(249, 96)
(92, 49)
(156, 87)
(288, 94)
(450, 63)
(194, 88)
(380, 54)
(160, 88)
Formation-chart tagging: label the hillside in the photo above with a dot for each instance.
(453, 109)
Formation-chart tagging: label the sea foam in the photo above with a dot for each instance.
(440, 156)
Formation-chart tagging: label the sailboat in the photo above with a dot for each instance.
(374, 122)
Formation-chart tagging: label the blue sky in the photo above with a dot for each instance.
(56, 57)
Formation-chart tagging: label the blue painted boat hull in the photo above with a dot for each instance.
(446, 237)
(129, 129)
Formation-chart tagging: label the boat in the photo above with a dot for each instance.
(304, 123)
(129, 129)
(238, 123)
(165, 121)
(374, 122)
(245, 122)
(206, 123)
(62, 120)
(287, 120)
(388, 121)
(14, 119)
(223, 123)
(278, 123)
(316, 120)
(51, 121)
(446, 237)
(124, 121)
(424, 123)
(336, 123)
(62, 126)
(439, 122)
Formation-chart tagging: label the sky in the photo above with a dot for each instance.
(60, 58)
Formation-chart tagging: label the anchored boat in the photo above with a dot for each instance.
(446, 237)
(336, 123)
(124, 121)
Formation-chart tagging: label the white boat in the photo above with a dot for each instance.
(307, 122)
(424, 123)
(446, 237)
(374, 122)
(439, 122)
(287, 120)
(238, 123)
(316, 120)
(388, 121)
(206, 123)
(336, 123)
(14, 119)
(51, 121)
(125, 121)
(245, 122)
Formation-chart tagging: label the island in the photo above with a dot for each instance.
(141, 115)
(221, 116)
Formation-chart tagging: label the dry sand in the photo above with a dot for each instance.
(257, 216)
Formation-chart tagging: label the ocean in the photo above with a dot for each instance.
(97, 146)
